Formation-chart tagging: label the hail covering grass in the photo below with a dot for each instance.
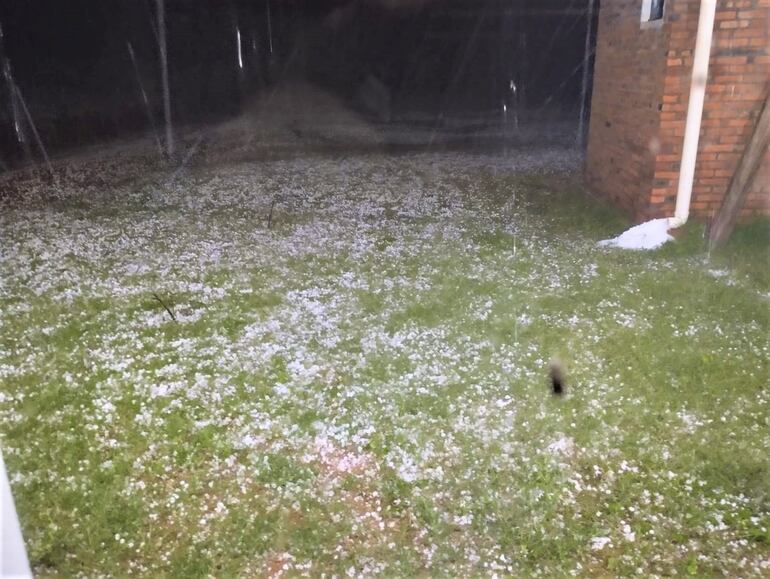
(362, 389)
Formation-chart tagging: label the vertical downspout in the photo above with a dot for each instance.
(698, 83)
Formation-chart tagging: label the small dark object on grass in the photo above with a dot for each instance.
(270, 215)
(556, 373)
(161, 302)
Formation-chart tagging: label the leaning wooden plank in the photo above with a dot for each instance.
(742, 178)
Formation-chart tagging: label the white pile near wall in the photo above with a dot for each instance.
(648, 235)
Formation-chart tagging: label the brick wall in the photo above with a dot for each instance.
(628, 86)
(739, 78)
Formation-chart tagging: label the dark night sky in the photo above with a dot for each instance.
(70, 58)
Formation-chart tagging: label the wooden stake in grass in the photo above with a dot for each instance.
(270, 214)
(168, 309)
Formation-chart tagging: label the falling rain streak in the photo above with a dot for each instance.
(239, 47)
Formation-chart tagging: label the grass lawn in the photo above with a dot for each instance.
(362, 388)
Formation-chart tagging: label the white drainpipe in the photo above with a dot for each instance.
(700, 70)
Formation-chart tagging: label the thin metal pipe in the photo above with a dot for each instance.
(145, 100)
(584, 84)
(34, 131)
(164, 77)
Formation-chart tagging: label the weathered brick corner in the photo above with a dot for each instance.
(640, 97)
